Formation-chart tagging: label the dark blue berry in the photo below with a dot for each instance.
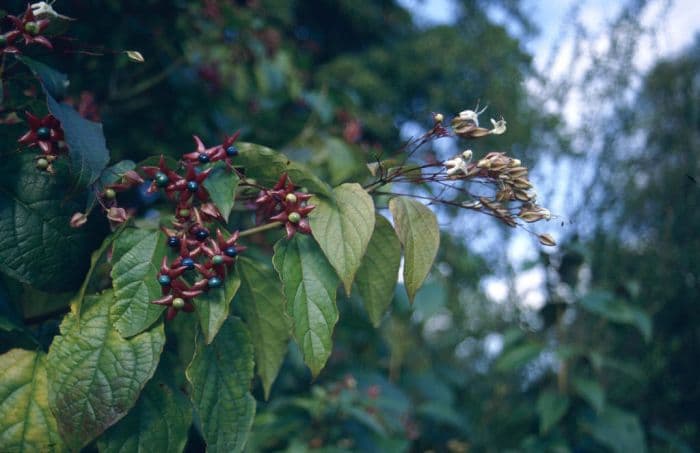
(188, 263)
(231, 251)
(192, 186)
(203, 158)
(161, 179)
(201, 234)
(231, 151)
(44, 133)
(173, 241)
(164, 280)
(214, 282)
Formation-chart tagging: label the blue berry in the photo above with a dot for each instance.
(161, 179)
(173, 241)
(231, 151)
(188, 263)
(231, 251)
(192, 186)
(164, 280)
(44, 133)
(201, 235)
(214, 282)
(203, 158)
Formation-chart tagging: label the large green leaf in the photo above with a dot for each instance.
(159, 421)
(37, 244)
(54, 82)
(619, 430)
(551, 407)
(95, 375)
(213, 306)
(602, 303)
(136, 258)
(343, 227)
(310, 286)
(266, 165)
(262, 306)
(419, 233)
(26, 423)
(220, 374)
(590, 391)
(376, 278)
(221, 185)
(87, 147)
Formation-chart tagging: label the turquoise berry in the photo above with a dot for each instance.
(217, 259)
(44, 133)
(188, 263)
(214, 282)
(203, 158)
(231, 151)
(164, 280)
(231, 251)
(161, 179)
(192, 186)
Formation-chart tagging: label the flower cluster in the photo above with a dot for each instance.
(28, 28)
(46, 134)
(208, 258)
(284, 204)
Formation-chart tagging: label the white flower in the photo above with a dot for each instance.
(459, 163)
(499, 127)
(45, 10)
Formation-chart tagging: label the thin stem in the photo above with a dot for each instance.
(260, 229)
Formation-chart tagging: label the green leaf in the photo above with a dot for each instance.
(418, 231)
(376, 277)
(266, 165)
(159, 421)
(517, 356)
(590, 391)
(551, 407)
(86, 143)
(37, 244)
(221, 185)
(95, 375)
(10, 319)
(619, 430)
(220, 374)
(54, 82)
(604, 304)
(26, 423)
(262, 305)
(310, 286)
(97, 255)
(136, 259)
(212, 307)
(343, 227)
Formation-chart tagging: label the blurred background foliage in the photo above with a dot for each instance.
(606, 362)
